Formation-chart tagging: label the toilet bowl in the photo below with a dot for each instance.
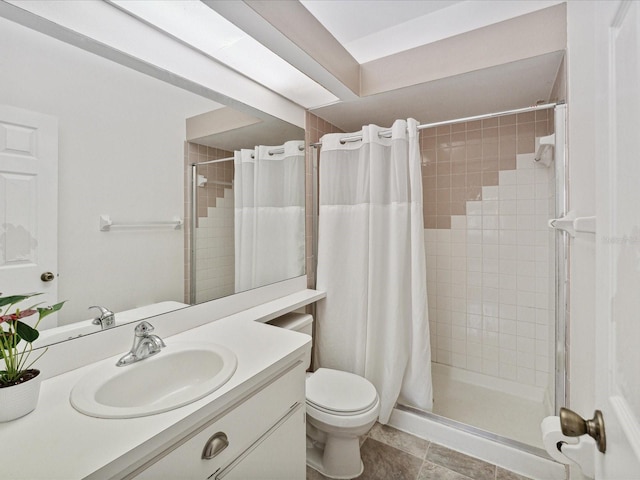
(341, 407)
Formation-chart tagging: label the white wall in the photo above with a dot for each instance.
(121, 152)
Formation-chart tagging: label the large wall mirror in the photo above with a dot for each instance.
(126, 143)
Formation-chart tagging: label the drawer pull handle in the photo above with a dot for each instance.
(216, 444)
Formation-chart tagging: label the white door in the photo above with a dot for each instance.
(29, 205)
(618, 247)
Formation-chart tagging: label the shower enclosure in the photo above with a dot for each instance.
(496, 273)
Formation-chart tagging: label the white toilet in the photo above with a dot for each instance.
(341, 407)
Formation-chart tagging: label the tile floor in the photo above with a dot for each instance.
(389, 454)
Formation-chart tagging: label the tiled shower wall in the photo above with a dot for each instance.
(488, 246)
(214, 241)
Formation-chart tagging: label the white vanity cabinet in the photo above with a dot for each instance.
(260, 437)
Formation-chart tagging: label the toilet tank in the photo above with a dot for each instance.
(299, 322)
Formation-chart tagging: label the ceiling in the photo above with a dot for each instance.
(373, 29)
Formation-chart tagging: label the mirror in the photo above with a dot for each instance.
(123, 158)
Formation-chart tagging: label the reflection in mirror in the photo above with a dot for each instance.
(249, 232)
(124, 150)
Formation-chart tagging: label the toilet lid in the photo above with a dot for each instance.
(337, 391)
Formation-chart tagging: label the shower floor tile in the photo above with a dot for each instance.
(389, 454)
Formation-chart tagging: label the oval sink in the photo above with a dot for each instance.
(179, 374)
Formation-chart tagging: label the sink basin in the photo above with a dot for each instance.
(179, 374)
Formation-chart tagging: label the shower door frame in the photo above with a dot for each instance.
(561, 270)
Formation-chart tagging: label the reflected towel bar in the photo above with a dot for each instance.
(107, 224)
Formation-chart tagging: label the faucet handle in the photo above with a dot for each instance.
(106, 318)
(143, 329)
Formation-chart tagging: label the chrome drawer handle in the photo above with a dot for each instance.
(216, 444)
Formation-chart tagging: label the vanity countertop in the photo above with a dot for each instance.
(57, 442)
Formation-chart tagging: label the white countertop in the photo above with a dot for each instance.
(57, 442)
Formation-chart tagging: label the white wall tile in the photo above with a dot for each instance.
(508, 207)
(527, 360)
(508, 222)
(491, 367)
(490, 222)
(526, 376)
(508, 372)
(525, 176)
(524, 161)
(474, 208)
(490, 251)
(443, 235)
(491, 207)
(526, 192)
(508, 356)
(525, 329)
(474, 222)
(490, 193)
(459, 222)
(508, 297)
(508, 192)
(507, 177)
(508, 252)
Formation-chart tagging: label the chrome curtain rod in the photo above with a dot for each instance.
(228, 159)
(275, 151)
(387, 133)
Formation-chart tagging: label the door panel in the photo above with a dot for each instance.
(28, 204)
(618, 252)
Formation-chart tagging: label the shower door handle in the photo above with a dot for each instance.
(572, 224)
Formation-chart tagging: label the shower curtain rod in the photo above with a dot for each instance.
(270, 152)
(387, 133)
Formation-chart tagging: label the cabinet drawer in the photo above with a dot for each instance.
(241, 424)
(280, 454)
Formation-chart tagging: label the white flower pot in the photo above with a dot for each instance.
(18, 400)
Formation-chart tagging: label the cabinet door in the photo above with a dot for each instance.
(278, 455)
(242, 428)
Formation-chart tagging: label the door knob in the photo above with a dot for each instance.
(47, 277)
(573, 425)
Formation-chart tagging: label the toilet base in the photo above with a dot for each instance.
(342, 454)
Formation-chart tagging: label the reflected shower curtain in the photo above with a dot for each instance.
(269, 215)
(371, 263)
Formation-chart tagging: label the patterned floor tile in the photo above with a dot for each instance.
(398, 439)
(458, 462)
(383, 462)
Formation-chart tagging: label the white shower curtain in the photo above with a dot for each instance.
(269, 218)
(371, 263)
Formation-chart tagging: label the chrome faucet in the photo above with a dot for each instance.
(145, 344)
(107, 318)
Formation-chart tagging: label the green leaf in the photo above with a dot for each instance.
(26, 332)
(44, 311)
(15, 299)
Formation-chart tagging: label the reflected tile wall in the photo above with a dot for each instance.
(207, 198)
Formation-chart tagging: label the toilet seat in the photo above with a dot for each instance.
(340, 393)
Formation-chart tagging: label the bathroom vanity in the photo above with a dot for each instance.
(250, 427)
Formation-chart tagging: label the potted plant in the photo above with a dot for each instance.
(19, 383)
